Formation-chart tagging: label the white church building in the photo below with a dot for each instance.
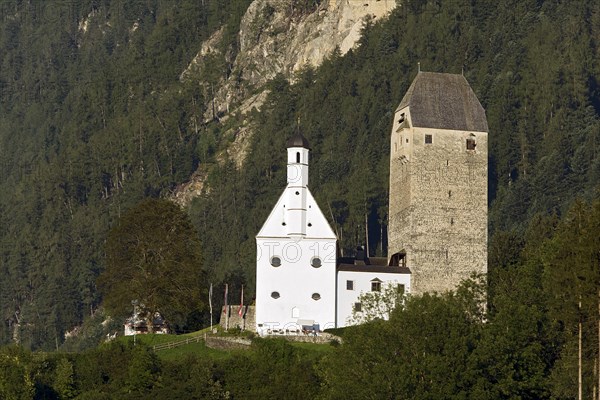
(301, 283)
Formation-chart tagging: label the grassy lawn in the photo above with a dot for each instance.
(195, 349)
(200, 349)
(182, 351)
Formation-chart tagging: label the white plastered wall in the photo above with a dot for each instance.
(362, 284)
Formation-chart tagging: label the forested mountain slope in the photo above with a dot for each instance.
(93, 118)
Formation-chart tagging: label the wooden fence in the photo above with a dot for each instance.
(172, 345)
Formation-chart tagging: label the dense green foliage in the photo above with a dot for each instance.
(153, 258)
(432, 347)
(93, 119)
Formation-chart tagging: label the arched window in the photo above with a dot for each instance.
(471, 142)
(298, 157)
(398, 259)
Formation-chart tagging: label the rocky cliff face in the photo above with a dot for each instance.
(276, 37)
(273, 40)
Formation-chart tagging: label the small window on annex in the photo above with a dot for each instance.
(376, 285)
(471, 142)
(349, 285)
(358, 307)
(315, 262)
(400, 289)
(276, 261)
(428, 139)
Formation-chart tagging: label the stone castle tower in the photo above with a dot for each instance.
(438, 183)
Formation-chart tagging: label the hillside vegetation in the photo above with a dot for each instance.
(541, 316)
(94, 118)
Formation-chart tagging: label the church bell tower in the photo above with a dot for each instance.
(297, 183)
(295, 256)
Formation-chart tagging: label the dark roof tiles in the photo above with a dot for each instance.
(444, 101)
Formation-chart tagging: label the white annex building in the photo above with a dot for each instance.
(300, 282)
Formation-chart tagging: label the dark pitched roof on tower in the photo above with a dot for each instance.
(298, 140)
(444, 101)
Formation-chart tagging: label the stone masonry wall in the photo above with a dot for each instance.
(227, 343)
(443, 224)
(246, 322)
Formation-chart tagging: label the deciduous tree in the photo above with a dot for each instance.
(153, 256)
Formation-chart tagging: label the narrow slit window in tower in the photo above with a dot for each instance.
(298, 157)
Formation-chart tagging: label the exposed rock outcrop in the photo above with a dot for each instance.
(275, 38)
(185, 192)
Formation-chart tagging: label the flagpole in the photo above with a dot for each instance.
(241, 310)
(210, 306)
(226, 309)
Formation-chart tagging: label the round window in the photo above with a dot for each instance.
(316, 296)
(275, 261)
(275, 295)
(315, 262)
